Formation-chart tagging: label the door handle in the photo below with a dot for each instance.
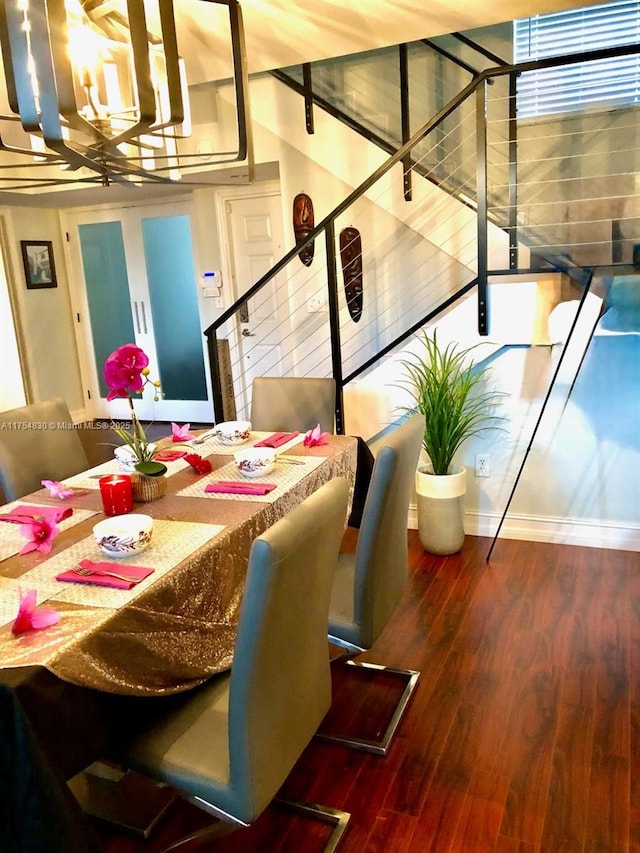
(247, 333)
(135, 307)
(144, 318)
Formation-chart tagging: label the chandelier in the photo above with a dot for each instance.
(93, 96)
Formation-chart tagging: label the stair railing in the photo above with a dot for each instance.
(326, 228)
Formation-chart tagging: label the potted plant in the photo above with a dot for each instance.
(126, 372)
(453, 396)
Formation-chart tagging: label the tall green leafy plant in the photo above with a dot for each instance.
(453, 397)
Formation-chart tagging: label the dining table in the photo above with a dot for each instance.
(70, 691)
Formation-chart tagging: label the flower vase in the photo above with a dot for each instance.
(147, 488)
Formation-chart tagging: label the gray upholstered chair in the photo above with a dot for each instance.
(368, 584)
(292, 403)
(52, 451)
(228, 746)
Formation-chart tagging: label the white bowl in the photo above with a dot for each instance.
(233, 432)
(127, 459)
(255, 461)
(123, 535)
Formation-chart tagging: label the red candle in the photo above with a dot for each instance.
(117, 494)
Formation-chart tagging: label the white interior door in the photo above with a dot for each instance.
(139, 285)
(255, 234)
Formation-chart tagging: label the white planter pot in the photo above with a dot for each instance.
(440, 509)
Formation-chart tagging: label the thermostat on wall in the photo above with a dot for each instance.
(211, 283)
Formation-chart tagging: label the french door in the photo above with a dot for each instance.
(139, 286)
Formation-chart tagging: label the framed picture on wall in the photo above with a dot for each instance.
(39, 268)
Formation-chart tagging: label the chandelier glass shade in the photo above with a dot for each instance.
(93, 96)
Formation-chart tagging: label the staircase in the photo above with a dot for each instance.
(420, 256)
(482, 247)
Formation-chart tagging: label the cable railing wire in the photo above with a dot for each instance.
(358, 339)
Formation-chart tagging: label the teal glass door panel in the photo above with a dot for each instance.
(107, 284)
(174, 307)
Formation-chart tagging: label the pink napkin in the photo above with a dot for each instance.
(138, 572)
(233, 487)
(315, 437)
(28, 511)
(181, 433)
(170, 455)
(277, 439)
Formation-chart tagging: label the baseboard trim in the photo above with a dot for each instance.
(558, 531)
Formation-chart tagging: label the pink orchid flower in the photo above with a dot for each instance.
(181, 433)
(31, 618)
(315, 437)
(39, 528)
(40, 531)
(57, 490)
(123, 371)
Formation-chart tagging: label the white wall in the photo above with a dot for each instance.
(45, 315)
(12, 392)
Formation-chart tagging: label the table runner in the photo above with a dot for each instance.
(86, 608)
(285, 475)
(10, 590)
(171, 543)
(9, 600)
(89, 479)
(213, 445)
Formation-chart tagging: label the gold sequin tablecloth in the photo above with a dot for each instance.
(177, 627)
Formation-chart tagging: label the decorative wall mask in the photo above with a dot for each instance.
(351, 258)
(303, 224)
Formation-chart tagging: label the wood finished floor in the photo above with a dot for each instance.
(523, 733)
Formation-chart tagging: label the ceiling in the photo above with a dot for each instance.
(279, 33)
(287, 32)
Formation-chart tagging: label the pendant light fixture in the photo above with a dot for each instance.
(94, 96)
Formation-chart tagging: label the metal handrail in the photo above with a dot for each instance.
(326, 226)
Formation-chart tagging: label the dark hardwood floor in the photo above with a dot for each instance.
(523, 733)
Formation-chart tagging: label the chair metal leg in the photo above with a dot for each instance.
(212, 830)
(336, 817)
(381, 746)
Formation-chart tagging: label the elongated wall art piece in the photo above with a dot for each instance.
(303, 223)
(351, 258)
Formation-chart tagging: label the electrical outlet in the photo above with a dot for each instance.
(315, 304)
(482, 464)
